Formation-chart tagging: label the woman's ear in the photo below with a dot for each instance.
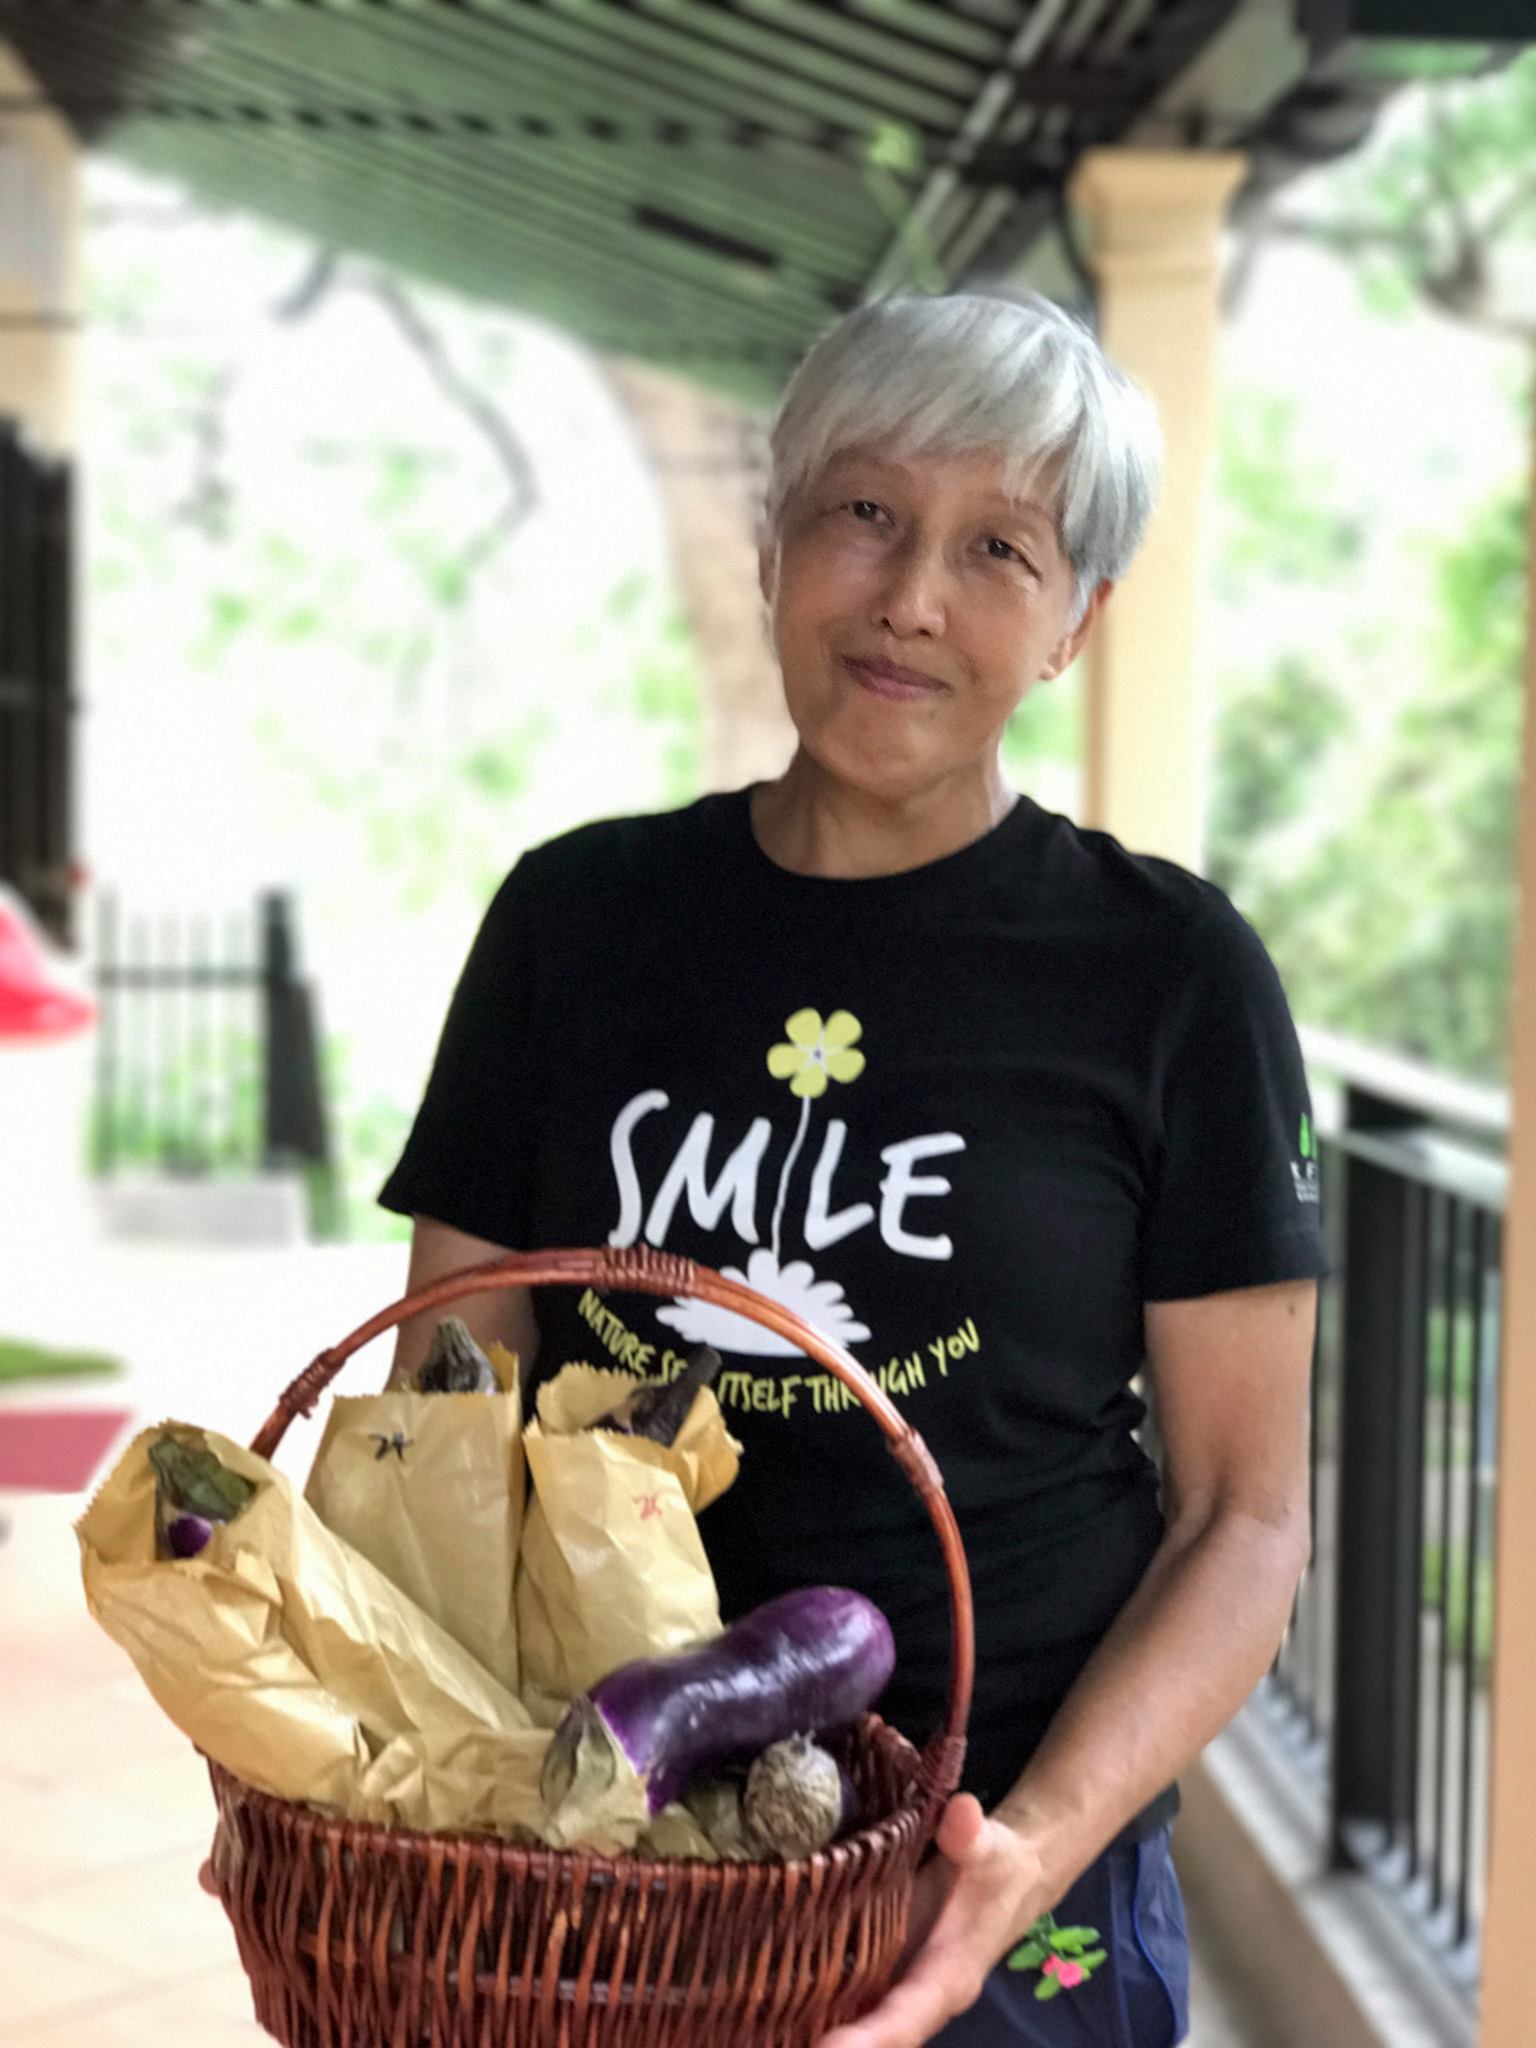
(1070, 645)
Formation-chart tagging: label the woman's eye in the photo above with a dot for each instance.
(864, 508)
(1004, 551)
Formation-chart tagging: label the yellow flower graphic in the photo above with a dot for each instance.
(817, 1052)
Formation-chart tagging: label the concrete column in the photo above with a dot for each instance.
(1154, 220)
(1511, 1915)
(39, 262)
(698, 445)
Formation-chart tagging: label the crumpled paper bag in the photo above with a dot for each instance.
(676, 1832)
(430, 1487)
(286, 1656)
(480, 1780)
(612, 1565)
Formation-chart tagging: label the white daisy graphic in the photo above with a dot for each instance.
(795, 1286)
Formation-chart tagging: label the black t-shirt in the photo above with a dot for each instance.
(967, 1119)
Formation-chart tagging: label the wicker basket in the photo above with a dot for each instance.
(357, 1936)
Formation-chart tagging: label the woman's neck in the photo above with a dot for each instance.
(812, 824)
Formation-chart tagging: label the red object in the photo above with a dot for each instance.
(56, 1450)
(1071, 1974)
(31, 1005)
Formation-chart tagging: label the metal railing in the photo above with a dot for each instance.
(37, 702)
(1383, 1680)
(208, 1058)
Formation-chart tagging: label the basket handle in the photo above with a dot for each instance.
(639, 1270)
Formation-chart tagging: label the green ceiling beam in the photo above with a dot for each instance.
(466, 177)
(941, 25)
(844, 96)
(413, 229)
(483, 65)
(822, 44)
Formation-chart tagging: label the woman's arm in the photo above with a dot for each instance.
(1230, 1376)
(506, 1316)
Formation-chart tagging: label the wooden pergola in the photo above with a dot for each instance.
(703, 186)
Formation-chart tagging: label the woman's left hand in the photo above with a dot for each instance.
(973, 1901)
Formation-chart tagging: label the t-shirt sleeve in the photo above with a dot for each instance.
(1235, 1190)
(471, 1148)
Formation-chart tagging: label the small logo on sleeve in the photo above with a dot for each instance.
(1304, 1170)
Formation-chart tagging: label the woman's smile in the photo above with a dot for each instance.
(889, 679)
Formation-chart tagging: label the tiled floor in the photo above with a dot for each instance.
(106, 1940)
(105, 1937)
(1222, 2009)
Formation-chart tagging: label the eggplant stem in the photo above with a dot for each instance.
(583, 1749)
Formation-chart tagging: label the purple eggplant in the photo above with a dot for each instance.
(188, 1535)
(809, 1660)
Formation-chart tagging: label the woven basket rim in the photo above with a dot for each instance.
(370, 1835)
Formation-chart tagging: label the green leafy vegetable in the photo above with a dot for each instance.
(191, 1488)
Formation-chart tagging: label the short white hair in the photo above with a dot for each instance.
(967, 371)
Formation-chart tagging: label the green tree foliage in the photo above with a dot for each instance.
(1390, 915)
(346, 606)
(1280, 527)
(1429, 213)
(1280, 521)
(1270, 740)
(1392, 922)
(1428, 944)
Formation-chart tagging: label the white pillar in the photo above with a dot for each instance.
(39, 262)
(1508, 1996)
(1154, 220)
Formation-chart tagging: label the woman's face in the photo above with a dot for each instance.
(914, 603)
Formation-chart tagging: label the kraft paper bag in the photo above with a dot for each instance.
(612, 1565)
(430, 1487)
(477, 1780)
(289, 1658)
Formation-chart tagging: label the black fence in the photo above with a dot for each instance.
(207, 1052)
(37, 703)
(1383, 1680)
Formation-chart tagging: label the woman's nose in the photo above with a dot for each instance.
(911, 600)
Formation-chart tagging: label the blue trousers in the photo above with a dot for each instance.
(1137, 1998)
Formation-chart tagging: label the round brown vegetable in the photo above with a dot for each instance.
(793, 1803)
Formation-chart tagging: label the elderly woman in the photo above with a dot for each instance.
(1013, 1112)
